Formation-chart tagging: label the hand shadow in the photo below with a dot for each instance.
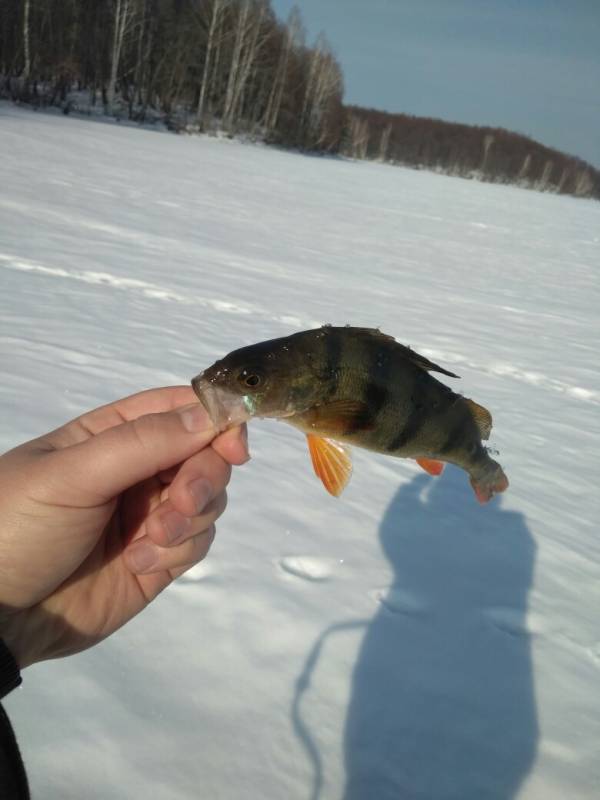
(442, 704)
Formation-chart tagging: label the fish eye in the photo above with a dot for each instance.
(250, 378)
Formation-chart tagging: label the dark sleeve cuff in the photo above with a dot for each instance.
(10, 676)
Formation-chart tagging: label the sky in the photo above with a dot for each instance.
(531, 66)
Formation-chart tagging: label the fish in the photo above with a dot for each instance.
(350, 386)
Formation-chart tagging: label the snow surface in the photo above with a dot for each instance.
(401, 642)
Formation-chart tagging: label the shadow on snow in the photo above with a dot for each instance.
(442, 702)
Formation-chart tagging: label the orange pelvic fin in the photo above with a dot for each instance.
(430, 465)
(331, 462)
(485, 490)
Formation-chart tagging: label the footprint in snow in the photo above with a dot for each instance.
(594, 653)
(515, 621)
(398, 601)
(307, 567)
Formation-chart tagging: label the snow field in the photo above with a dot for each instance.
(401, 641)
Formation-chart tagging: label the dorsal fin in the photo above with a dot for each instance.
(407, 352)
(482, 417)
(422, 362)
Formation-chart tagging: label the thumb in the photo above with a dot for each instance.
(98, 469)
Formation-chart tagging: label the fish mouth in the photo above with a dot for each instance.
(224, 408)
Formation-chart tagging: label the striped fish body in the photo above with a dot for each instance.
(356, 386)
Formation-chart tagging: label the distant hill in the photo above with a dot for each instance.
(469, 151)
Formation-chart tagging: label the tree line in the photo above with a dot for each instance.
(198, 64)
(231, 65)
(489, 154)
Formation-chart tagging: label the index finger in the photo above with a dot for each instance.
(150, 401)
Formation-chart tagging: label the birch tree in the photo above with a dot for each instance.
(545, 179)
(26, 43)
(384, 143)
(250, 52)
(359, 136)
(141, 61)
(488, 141)
(323, 87)
(240, 31)
(216, 13)
(123, 17)
(584, 184)
(524, 168)
(247, 44)
(293, 37)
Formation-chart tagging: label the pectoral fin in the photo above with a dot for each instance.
(338, 417)
(430, 465)
(331, 462)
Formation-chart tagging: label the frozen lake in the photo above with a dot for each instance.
(401, 642)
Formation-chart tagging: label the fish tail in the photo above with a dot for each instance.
(489, 481)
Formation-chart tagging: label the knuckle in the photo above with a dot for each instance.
(221, 502)
(202, 543)
(214, 510)
(148, 434)
(142, 431)
(227, 470)
(217, 468)
(148, 426)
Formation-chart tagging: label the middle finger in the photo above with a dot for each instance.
(167, 527)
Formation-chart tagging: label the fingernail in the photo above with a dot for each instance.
(142, 556)
(194, 418)
(175, 525)
(202, 492)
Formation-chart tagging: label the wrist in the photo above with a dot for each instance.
(14, 637)
(10, 674)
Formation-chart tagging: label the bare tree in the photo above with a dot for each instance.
(141, 61)
(583, 183)
(323, 87)
(488, 141)
(545, 179)
(216, 13)
(244, 40)
(293, 37)
(359, 136)
(241, 30)
(524, 168)
(384, 143)
(254, 43)
(26, 45)
(123, 12)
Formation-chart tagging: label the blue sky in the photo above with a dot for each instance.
(531, 66)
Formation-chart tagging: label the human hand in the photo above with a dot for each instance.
(99, 516)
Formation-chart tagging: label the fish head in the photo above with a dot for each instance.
(269, 379)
